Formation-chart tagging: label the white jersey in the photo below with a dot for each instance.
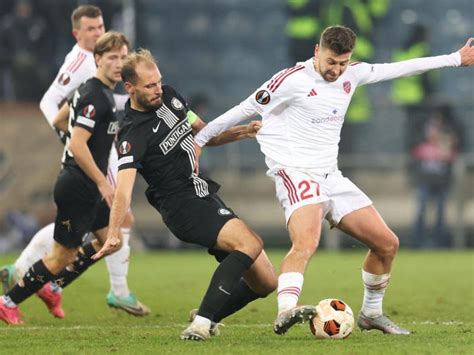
(79, 66)
(302, 114)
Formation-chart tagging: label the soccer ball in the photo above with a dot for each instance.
(334, 320)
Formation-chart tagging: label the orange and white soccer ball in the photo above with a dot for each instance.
(334, 320)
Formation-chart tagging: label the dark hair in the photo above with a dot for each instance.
(339, 39)
(90, 11)
(110, 41)
(128, 70)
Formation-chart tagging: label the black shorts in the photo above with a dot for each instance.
(80, 208)
(194, 219)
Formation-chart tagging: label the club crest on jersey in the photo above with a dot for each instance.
(347, 86)
(223, 212)
(64, 79)
(88, 111)
(125, 147)
(177, 105)
(262, 97)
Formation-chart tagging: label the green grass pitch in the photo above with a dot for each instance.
(431, 293)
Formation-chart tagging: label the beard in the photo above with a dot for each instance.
(149, 105)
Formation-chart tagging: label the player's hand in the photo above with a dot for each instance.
(252, 128)
(467, 53)
(107, 192)
(111, 245)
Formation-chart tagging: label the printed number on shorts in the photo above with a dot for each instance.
(304, 188)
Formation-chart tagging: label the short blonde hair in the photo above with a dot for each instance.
(110, 41)
(90, 11)
(133, 59)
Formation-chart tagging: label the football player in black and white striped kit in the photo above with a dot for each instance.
(79, 66)
(82, 192)
(156, 139)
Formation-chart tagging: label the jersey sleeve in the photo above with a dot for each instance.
(89, 111)
(271, 95)
(68, 79)
(131, 148)
(372, 73)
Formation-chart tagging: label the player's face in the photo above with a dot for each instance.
(109, 65)
(89, 31)
(147, 91)
(329, 64)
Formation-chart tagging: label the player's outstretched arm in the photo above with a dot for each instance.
(467, 53)
(120, 206)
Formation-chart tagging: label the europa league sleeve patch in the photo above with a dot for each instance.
(89, 111)
(64, 79)
(262, 97)
(125, 147)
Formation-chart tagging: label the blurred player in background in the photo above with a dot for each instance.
(156, 139)
(79, 65)
(303, 109)
(82, 193)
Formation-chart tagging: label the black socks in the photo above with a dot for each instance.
(223, 282)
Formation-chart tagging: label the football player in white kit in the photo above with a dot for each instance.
(79, 65)
(302, 111)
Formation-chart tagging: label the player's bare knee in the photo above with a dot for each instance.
(253, 247)
(56, 262)
(388, 248)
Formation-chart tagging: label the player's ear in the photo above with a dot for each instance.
(316, 50)
(129, 87)
(75, 34)
(97, 58)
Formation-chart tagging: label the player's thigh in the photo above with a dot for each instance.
(196, 220)
(77, 207)
(261, 276)
(236, 235)
(305, 225)
(368, 226)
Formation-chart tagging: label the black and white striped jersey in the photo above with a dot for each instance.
(92, 108)
(160, 145)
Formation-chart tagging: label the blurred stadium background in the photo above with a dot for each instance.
(216, 52)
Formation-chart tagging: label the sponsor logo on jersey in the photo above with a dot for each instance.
(347, 86)
(113, 127)
(155, 129)
(312, 93)
(330, 119)
(262, 97)
(177, 105)
(224, 212)
(125, 147)
(178, 132)
(88, 111)
(64, 79)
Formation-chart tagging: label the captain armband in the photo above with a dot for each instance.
(192, 117)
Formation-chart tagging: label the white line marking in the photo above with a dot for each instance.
(170, 326)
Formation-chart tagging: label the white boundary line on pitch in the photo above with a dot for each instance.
(169, 326)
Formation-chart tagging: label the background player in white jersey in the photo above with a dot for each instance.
(303, 110)
(79, 65)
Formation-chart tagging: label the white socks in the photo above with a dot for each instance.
(38, 247)
(202, 322)
(117, 265)
(374, 290)
(289, 289)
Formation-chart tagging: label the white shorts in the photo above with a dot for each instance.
(112, 170)
(297, 188)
